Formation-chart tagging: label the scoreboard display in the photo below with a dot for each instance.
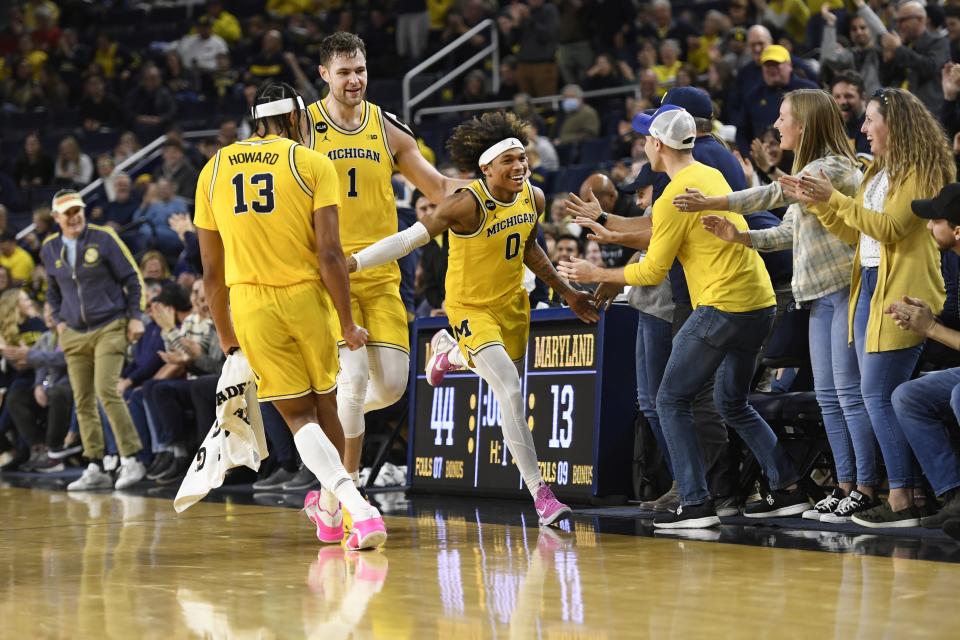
(579, 391)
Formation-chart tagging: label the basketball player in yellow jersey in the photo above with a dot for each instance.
(367, 146)
(266, 214)
(492, 222)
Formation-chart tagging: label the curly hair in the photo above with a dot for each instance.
(341, 43)
(916, 144)
(469, 140)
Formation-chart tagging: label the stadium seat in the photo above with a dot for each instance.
(596, 151)
(570, 179)
(567, 154)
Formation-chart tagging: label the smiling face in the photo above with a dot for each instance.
(875, 127)
(860, 33)
(507, 171)
(71, 221)
(790, 129)
(848, 99)
(347, 77)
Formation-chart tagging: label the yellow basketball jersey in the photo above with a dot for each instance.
(260, 194)
(364, 162)
(488, 264)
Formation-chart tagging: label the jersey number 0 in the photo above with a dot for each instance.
(265, 183)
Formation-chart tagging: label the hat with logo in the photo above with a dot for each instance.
(670, 124)
(66, 199)
(944, 206)
(774, 53)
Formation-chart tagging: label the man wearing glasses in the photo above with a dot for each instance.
(913, 56)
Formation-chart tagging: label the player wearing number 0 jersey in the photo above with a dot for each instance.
(367, 146)
(266, 214)
(492, 227)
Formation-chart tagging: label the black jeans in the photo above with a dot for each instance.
(38, 425)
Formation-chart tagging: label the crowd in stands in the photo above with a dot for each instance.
(84, 87)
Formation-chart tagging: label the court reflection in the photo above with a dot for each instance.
(121, 566)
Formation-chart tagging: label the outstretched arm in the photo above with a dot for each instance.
(415, 167)
(454, 212)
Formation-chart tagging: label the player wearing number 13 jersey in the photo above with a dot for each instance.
(266, 215)
(493, 225)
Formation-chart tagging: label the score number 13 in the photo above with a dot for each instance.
(562, 434)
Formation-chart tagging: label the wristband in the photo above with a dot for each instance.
(602, 219)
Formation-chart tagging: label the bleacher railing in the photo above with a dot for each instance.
(141, 157)
(492, 49)
(553, 101)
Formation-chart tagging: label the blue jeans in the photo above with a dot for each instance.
(880, 374)
(728, 344)
(836, 380)
(653, 351)
(921, 406)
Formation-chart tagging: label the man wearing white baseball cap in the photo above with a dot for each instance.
(95, 291)
(734, 307)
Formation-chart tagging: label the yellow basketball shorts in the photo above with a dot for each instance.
(287, 338)
(506, 322)
(377, 307)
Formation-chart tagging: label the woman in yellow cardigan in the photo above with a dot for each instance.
(895, 255)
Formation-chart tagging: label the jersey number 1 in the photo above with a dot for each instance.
(266, 202)
(352, 193)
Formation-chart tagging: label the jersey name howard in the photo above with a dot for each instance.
(354, 154)
(254, 156)
(512, 221)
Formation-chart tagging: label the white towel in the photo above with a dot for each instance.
(235, 439)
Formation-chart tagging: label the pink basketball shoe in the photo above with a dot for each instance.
(441, 344)
(368, 533)
(329, 525)
(548, 507)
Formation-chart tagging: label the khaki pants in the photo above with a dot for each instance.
(94, 361)
(537, 78)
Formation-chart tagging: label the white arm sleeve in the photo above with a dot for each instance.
(392, 247)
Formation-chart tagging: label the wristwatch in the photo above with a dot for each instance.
(602, 218)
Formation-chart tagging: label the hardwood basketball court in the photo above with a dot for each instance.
(119, 565)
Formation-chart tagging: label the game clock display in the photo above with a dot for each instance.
(579, 390)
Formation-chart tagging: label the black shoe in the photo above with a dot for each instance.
(59, 453)
(174, 472)
(302, 481)
(950, 510)
(779, 504)
(882, 517)
(161, 462)
(46, 464)
(21, 458)
(694, 516)
(850, 506)
(275, 480)
(727, 507)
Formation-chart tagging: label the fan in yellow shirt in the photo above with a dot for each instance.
(15, 259)
(734, 309)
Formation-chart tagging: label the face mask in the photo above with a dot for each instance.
(570, 104)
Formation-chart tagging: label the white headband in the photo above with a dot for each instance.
(276, 108)
(506, 144)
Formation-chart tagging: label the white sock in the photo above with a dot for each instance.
(328, 500)
(321, 457)
(355, 476)
(455, 356)
(497, 369)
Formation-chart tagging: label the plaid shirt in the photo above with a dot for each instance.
(821, 262)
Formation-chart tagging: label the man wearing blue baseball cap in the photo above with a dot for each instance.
(735, 307)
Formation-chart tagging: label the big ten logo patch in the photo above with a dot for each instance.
(321, 127)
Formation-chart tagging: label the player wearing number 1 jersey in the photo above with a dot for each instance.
(367, 145)
(266, 213)
(493, 224)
